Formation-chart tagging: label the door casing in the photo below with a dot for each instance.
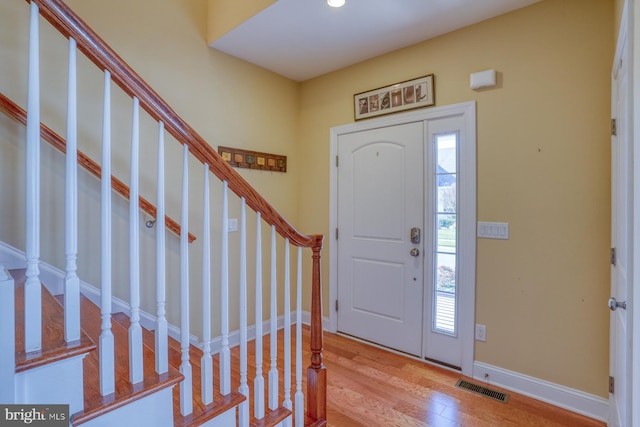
(467, 221)
(624, 215)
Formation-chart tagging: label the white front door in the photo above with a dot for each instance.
(403, 257)
(380, 269)
(621, 215)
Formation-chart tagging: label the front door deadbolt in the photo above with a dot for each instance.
(415, 235)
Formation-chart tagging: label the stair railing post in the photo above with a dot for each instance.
(316, 373)
(243, 410)
(32, 287)
(287, 332)
(71, 280)
(186, 386)
(7, 338)
(299, 396)
(106, 342)
(225, 352)
(206, 362)
(258, 382)
(161, 335)
(273, 332)
(136, 373)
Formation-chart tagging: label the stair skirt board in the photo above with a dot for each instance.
(153, 410)
(55, 383)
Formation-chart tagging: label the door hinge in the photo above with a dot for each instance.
(612, 256)
(612, 385)
(336, 305)
(614, 130)
(337, 162)
(336, 234)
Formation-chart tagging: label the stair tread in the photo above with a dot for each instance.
(201, 412)
(317, 423)
(54, 347)
(272, 418)
(125, 392)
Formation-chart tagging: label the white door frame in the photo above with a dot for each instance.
(622, 214)
(631, 18)
(468, 162)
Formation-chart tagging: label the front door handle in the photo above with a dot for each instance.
(414, 252)
(615, 304)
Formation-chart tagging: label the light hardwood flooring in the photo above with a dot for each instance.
(368, 386)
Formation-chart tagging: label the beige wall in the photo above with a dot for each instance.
(543, 166)
(228, 101)
(224, 16)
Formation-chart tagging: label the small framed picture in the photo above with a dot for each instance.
(407, 95)
(240, 158)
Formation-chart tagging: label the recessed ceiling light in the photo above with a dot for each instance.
(335, 3)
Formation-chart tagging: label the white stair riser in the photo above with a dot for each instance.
(55, 383)
(153, 410)
(226, 419)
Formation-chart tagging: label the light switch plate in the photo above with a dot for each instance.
(493, 230)
(232, 225)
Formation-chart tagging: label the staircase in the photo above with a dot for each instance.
(70, 342)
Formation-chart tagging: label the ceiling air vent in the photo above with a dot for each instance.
(484, 391)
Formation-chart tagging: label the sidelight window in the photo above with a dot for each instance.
(446, 242)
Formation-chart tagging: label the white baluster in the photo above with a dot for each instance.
(7, 337)
(106, 345)
(136, 373)
(225, 354)
(287, 332)
(186, 390)
(258, 382)
(71, 280)
(273, 339)
(32, 287)
(161, 335)
(206, 362)
(243, 410)
(299, 396)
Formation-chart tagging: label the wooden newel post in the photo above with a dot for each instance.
(316, 373)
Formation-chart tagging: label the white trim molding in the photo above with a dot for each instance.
(306, 320)
(632, 18)
(573, 400)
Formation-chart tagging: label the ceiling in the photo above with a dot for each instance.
(302, 39)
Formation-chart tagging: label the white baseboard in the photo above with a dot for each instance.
(13, 258)
(564, 397)
(306, 320)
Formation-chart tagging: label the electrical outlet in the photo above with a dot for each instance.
(481, 333)
(232, 225)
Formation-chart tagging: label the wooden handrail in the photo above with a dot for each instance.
(17, 113)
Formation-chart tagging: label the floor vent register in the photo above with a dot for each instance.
(484, 391)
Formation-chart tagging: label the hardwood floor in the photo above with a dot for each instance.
(371, 387)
